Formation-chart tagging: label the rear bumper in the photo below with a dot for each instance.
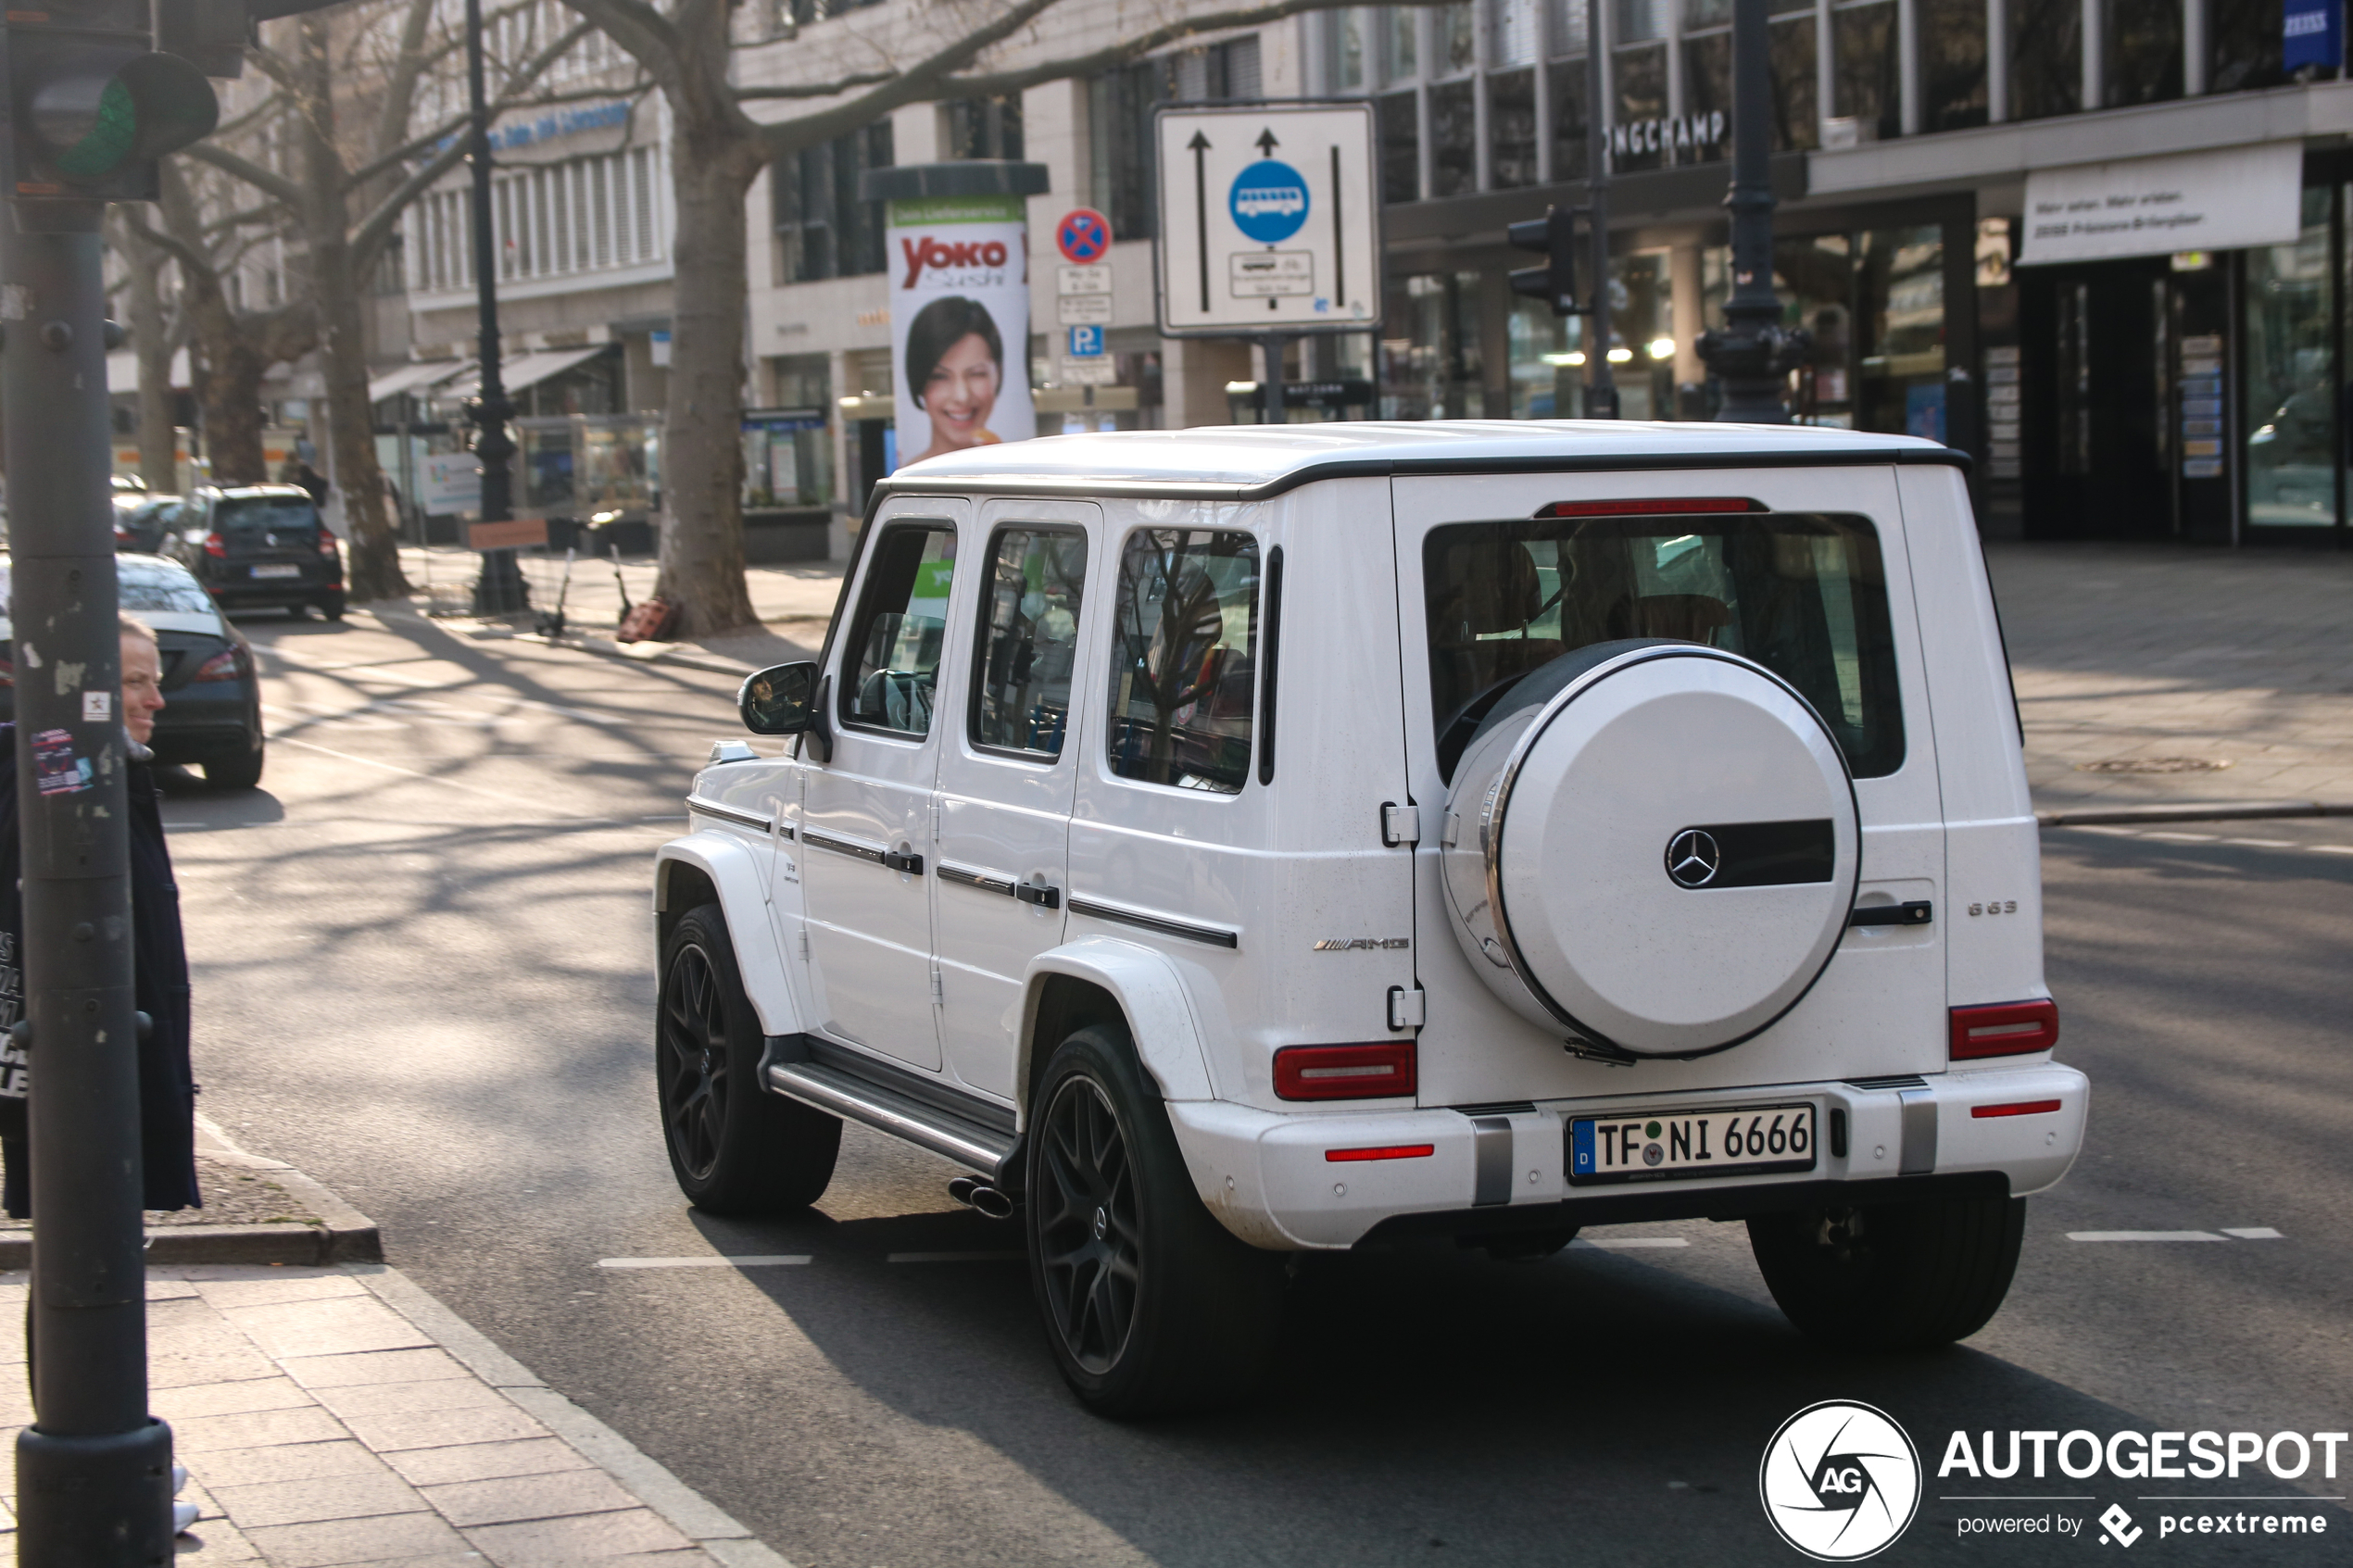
(1267, 1177)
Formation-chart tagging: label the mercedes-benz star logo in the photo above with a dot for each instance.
(1692, 859)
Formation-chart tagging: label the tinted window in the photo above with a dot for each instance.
(1028, 641)
(177, 596)
(247, 525)
(895, 642)
(1805, 595)
(1185, 637)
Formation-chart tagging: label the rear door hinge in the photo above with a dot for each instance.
(1400, 825)
(939, 994)
(1408, 1006)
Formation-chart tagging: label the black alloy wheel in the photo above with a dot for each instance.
(1090, 1246)
(734, 1148)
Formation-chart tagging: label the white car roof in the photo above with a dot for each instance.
(1244, 461)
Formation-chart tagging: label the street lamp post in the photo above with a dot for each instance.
(1753, 353)
(1600, 382)
(500, 589)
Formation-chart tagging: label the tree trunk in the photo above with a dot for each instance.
(713, 166)
(152, 341)
(229, 389)
(351, 423)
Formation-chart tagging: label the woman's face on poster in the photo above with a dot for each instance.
(961, 392)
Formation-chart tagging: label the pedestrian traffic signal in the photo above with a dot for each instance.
(91, 106)
(1552, 236)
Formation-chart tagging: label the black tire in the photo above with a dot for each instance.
(734, 1148)
(234, 769)
(1897, 1276)
(331, 607)
(1151, 1306)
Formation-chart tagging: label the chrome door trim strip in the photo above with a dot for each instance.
(731, 814)
(1216, 936)
(965, 876)
(850, 846)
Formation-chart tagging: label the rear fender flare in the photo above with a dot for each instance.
(1150, 993)
(743, 898)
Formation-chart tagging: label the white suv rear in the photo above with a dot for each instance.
(1237, 841)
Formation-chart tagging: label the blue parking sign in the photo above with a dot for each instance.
(1085, 343)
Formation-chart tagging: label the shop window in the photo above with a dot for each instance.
(1642, 95)
(2046, 57)
(1864, 68)
(1430, 366)
(988, 127)
(1900, 296)
(1401, 148)
(1348, 54)
(1547, 360)
(1457, 38)
(1796, 112)
(1119, 123)
(1403, 47)
(823, 229)
(1815, 278)
(1511, 129)
(2289, 410)
(1453, 140)
(1707, 87)
(1568, 121)
(1952, 45)
(2247, 45)
(2142, 43)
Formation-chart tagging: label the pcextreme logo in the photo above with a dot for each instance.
(1840, 1481)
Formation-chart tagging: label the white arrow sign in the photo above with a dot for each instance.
(1268, 219)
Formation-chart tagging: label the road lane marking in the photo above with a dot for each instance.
(2263, 842)
(2172, 838)
(760, 1261)
(2184, 837)
(2145, 1236)
(2254, 1233)
(1630, 1243)
(955, 1256)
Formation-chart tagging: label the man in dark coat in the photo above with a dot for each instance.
(167, 1086)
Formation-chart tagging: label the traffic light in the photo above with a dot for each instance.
(91, 106)
(1552, 236)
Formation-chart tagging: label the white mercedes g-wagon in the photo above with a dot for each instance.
(1237, 841)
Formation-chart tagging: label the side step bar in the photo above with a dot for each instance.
(830, 1090)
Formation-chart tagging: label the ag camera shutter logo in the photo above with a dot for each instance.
(1840, 1481)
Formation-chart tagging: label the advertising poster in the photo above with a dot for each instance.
(959, 324)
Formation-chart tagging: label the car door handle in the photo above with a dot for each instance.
(1035, 893)
(1917, 912)
(912, 864)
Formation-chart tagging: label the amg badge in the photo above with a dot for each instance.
(1361, 943)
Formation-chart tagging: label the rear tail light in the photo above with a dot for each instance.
(2005, 1029)
(1651, 506)
(222, 666)
(216, 546)
(2017, 1107)
(326, 542)
(1385, 1151)
(1380, 1071)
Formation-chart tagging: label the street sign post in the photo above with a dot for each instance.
(1269, 224)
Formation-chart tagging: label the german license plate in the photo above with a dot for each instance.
(277, 570)
(1744, 1140)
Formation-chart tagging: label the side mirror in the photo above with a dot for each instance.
(781, 700)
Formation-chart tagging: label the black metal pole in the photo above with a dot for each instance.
(93, 1471)
(1754, 353)
(499, 590)
(1601, 381)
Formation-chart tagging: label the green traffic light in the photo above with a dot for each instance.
(110, 140)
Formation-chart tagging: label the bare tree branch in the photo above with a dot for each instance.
(274, 185)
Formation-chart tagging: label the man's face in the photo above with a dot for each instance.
(142, 687)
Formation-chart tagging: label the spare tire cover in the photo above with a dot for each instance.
(1657, 853)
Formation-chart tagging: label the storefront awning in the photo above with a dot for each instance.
(414, 378)
(523, 370)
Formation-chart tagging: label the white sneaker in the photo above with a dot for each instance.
(179, 1479)
(184, 1517)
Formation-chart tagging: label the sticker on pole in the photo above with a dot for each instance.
(1269, 218)
(56, 770)
(1082, 236)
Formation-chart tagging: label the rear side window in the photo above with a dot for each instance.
(172, 595)
(902, 618)
(251, 525)
(1184, 645)
(1028, 641)
(1804, 595)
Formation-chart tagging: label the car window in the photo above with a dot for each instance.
(248, 525)
(902, 618)
(1183, 647)
(177, 596)
(1804, 595)
(1028, 640)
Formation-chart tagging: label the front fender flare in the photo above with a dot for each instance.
(743, 898)
(1151, 994)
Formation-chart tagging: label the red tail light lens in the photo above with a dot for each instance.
(2005, 1029)
(1386, 1151)
(1380, 1071)
(216, 546)
(326, 542)
(2017, 1107)
(222, 666)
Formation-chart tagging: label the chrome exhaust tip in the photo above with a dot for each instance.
(961, 1190)
(990, 1201)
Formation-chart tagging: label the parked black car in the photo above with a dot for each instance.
(144, 524)
(212, 717)
(256, 546)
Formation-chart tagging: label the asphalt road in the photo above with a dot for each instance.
(424, 971)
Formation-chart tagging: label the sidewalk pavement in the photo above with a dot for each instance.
(2162, 678)
(342, 1415)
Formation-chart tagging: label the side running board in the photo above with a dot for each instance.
(831, 1089)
